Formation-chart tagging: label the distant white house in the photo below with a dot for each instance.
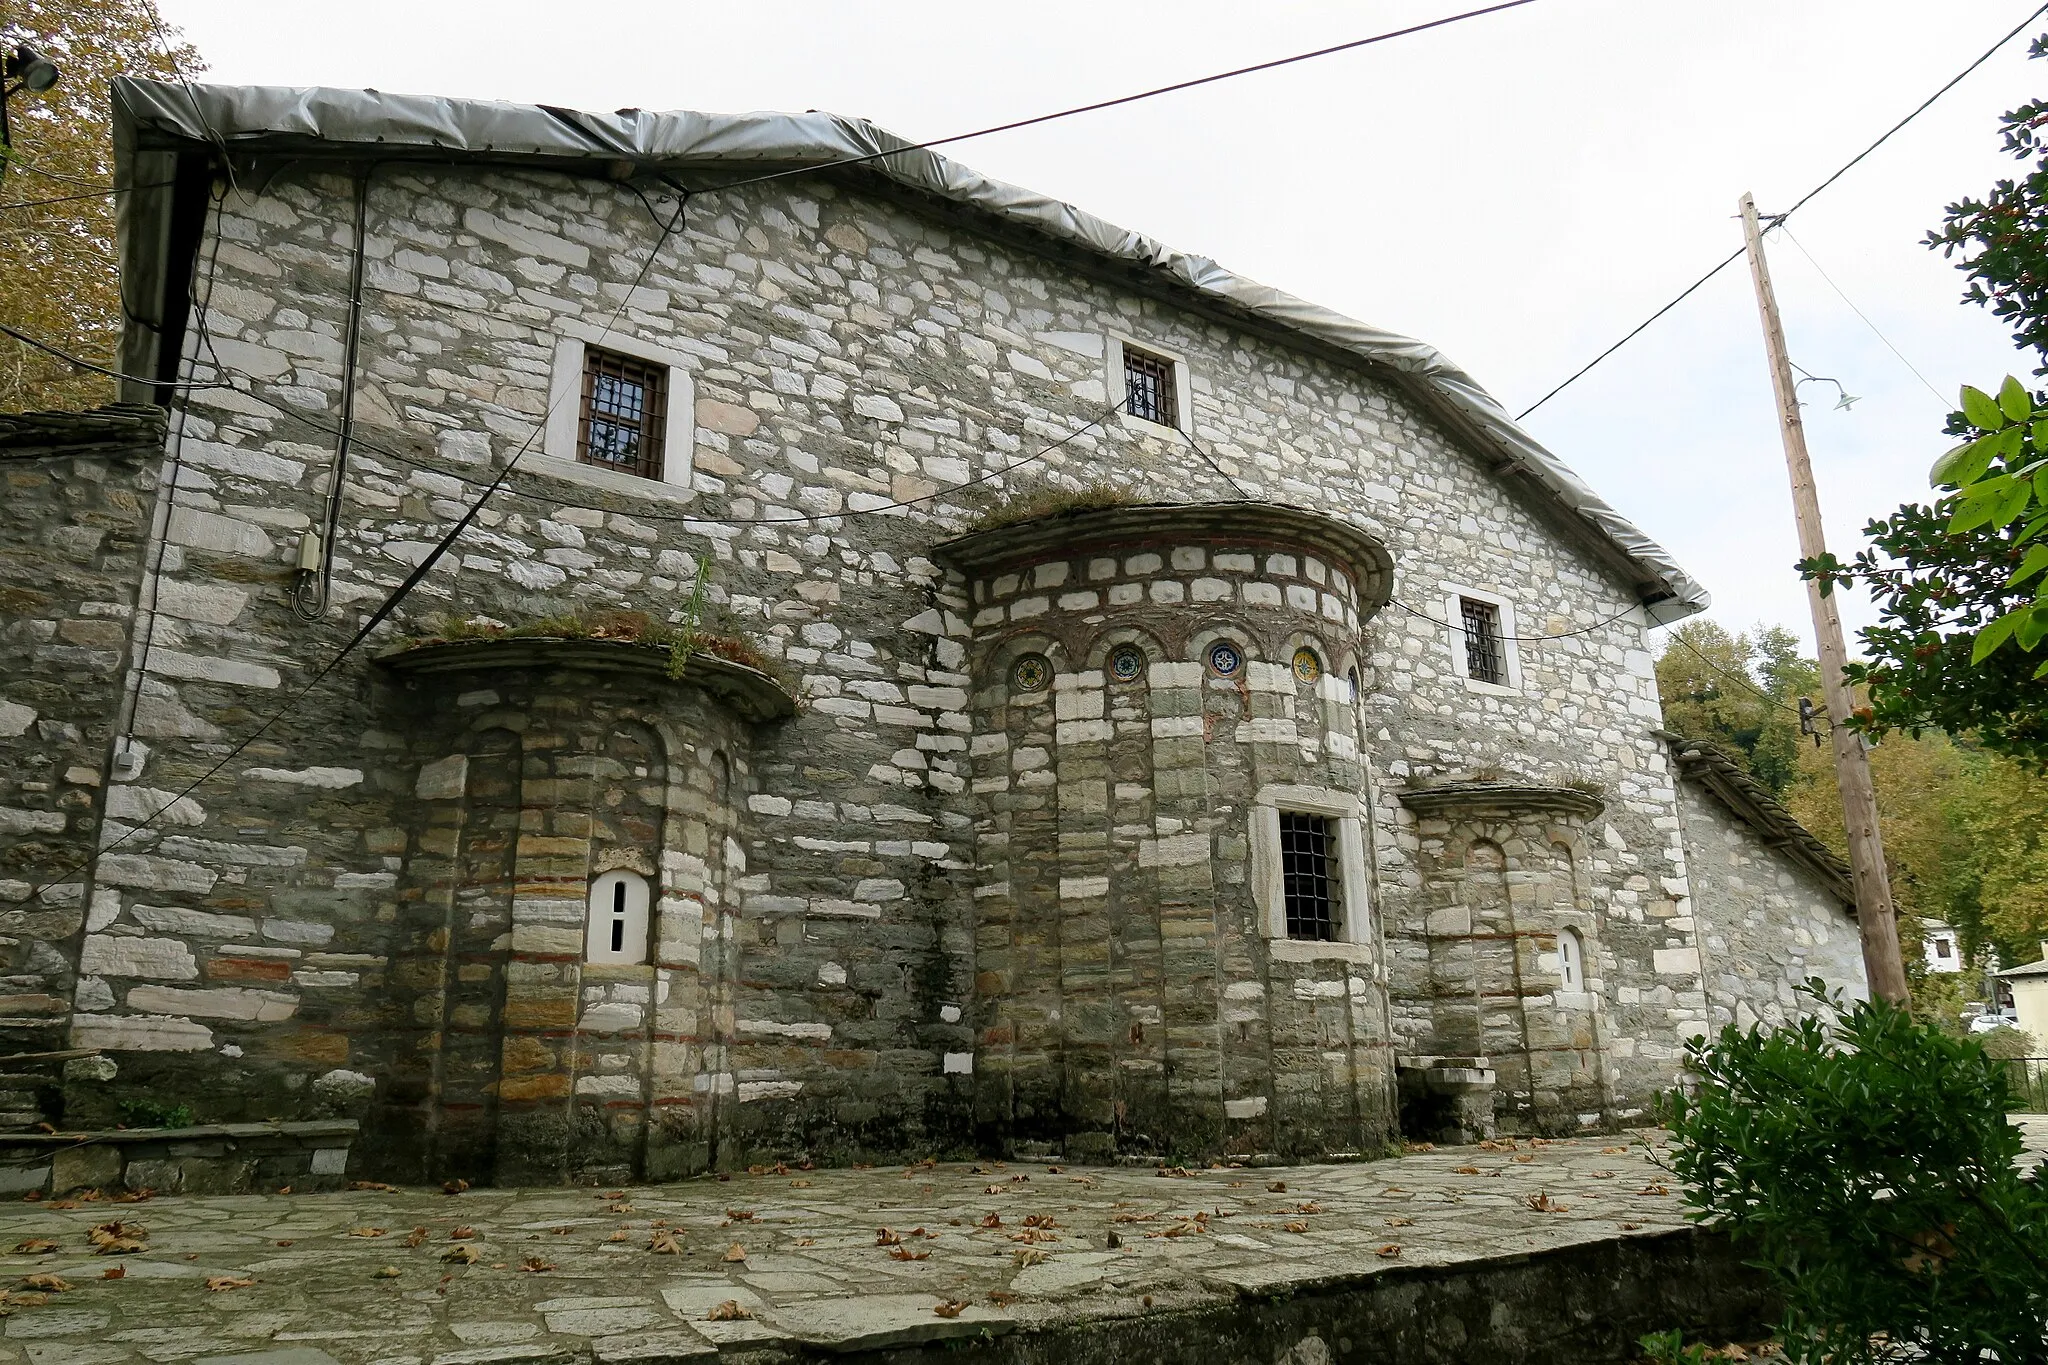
(2029, 985)
(1942, 945)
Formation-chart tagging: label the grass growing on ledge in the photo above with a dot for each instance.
(626, 627)
(1053, 502)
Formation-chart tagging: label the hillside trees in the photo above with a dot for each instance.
(57, 278)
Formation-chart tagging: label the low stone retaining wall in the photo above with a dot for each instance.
(219, 1158)
(1572, 1305)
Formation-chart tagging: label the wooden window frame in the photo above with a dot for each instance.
(649, 424)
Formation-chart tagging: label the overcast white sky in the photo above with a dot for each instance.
(1518, 190)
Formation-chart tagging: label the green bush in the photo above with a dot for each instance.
(1865, 1163)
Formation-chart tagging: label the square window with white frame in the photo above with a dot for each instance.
(1311, 876)
(1482, 639)
(621, 415)
(1149, 390)
(624, 413)
(1149, 386)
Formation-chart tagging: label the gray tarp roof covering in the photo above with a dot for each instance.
(153, 118)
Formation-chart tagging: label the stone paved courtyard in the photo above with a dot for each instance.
(783, 1260)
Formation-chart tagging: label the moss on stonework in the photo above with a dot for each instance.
(1053, 502)
(627, 627)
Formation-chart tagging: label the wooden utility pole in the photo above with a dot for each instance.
(1875, 916)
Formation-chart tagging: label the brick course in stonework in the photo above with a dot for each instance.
(917, 905)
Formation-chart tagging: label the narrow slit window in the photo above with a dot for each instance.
(1148, 388)
(619, 906)
(1571, 960)
(625, 407)
(1309, 876)
(1485, 661)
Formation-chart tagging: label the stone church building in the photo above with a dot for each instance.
(918, 669)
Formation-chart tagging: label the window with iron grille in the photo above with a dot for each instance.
(1484, 659)
(1148, 388)
(1309, 876)
(625, 407)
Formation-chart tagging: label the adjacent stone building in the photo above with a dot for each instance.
(895, 666)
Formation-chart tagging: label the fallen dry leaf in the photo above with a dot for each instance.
(1524, 1157)
(216, 1283)
(663, 1242)
(906, 1254)
(284, 1241)
(34, 1246)
(732, 1310)
(1294, 1227)
(1277, 1187)
(1390, 1249)
(1630, 1227)
(454, 1186)
(19, 1299)
(372, 1185)
(114, 1272)
(463, 1255)
(1035, 1220)
(806, 1241)
(996, 1189)
(1400, 1222)
(990, 1220)
(1613, 1151)
(416, 1237)
(389, 1272)
(48, 1284)
(800, 1184)
(949, 1309)
(1465, 1170)
(735, 1252)
(884, 1237)
(1543, 1203)
(534, 1265)
(1418, 1147)
(1654, 1189)
(462, 1234)
(366, 1232)
(1024, 1256)
(1001, 1298)
(1601, 1175)
(620, 1236)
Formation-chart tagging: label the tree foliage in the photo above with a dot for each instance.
(57, 270)
(1741, 693)
(1959, 583)
(1866, 1163)
(2002, 238)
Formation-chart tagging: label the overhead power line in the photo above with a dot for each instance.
(1821, 270)
(1779, 218)
(1036, 119)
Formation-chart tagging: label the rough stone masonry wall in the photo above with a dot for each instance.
(76, 490)
(1131, 998)
(847, 352)
(1766, 925)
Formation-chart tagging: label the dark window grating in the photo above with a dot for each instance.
(1484, 661)
(1148, 388)
(1308, 870)
(625, 407)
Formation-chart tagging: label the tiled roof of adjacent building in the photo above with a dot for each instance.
(1713, 768)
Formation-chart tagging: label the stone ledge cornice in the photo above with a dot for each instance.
(1513, 798)
(1250, 525)
(753, 695)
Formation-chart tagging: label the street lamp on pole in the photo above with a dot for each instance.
(25, 68)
